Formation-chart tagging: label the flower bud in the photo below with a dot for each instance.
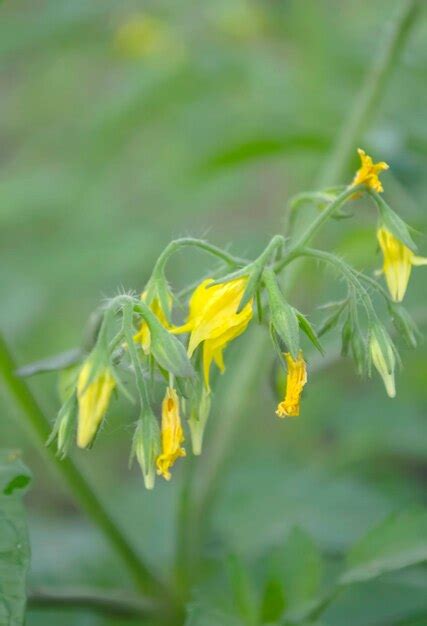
(383, 357)
(95, 385)
(199, 414)
(146, 446)
(283, 316)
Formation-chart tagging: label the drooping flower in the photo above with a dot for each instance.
(296, 378)
(93, 399)
(172, 435)
(398, 262)
(383, 358)
(214, 321)
(143, 335)
(369, 171)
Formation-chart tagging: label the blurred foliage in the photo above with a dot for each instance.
(14, 542)
(110, 148)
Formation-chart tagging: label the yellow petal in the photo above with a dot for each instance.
(172, 434)
(398, 261)
(93, 400)
(296, 378)
(369, 171)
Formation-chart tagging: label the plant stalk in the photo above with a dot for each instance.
(37, 423)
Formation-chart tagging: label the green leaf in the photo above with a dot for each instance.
(308, 329)
(14, 544)
(14, 475)
(301, 570)
(273, 600)
(243, 593)
(200, 615)
(261, 147)
(400, 541)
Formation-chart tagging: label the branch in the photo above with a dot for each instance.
(108, 602)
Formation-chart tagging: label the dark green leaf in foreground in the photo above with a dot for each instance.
(14, 544)
(301, 570)
(400, 541)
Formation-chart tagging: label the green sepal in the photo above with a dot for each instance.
(403, 323)
(158, 288)
(146, 446)
(283, 316)
(200, 406)
(393, 222)
(346, 335)
(166, 349)
(332, 319)
(64, 427)
(308, 329)
(276, 344)
(359, 352)
(252, 286)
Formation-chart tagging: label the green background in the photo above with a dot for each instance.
(105, 157)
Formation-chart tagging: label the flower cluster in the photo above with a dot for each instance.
(141, 339)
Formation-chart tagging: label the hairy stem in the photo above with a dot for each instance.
(370, 93)
(39, 426)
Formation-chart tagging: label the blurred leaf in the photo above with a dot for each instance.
(301, 570)
(14, 544)
(14, 475)
(243, 593)
(273, 600)
(400, 541)
(260, 147)
(200, 615)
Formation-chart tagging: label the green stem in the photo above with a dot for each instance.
(370, 93)
(347, 272)
(105, 602)
(176, 245)
(243, 376)
(316, 224)
(39, 426)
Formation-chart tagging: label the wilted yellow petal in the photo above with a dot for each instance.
(172, 434)
(296, 378)
(369, 171)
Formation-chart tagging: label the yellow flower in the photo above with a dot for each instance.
(172, 434)
(384, 360)
(295, 381)
(143, 36)
(213, 320)
(369, 171)
(398, 262)
(143, 335)
(93, 399)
